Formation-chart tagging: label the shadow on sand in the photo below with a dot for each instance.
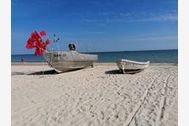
(36, 73)
(54, 72)
(51, 72)
(47, 72)
(126, 71)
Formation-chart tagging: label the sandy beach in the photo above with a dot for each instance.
(98, 96)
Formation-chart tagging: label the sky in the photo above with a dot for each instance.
(96, 25)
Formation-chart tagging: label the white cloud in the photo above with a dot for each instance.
(145, 17)
(154, 38)
(110, 17)
(166, 17)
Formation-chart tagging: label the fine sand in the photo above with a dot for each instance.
(98, 96)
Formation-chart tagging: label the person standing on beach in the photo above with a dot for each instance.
(71, 47)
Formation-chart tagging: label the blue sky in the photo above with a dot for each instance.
(97, 25)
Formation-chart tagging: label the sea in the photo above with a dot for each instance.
(154, 56)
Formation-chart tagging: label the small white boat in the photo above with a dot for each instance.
(129, 66)
(65, 61)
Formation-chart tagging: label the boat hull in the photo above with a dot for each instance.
(129, 65)
(67, 61)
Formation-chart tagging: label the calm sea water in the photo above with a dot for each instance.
(154, 56)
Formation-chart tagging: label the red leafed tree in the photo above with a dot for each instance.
(35, 41)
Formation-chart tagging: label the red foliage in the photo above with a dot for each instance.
(42, 33)
(35, 41)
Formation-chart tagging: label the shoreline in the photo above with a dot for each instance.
(97, 63)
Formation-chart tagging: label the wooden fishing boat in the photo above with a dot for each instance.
(65, 61)
(61, 61)
(129, 66)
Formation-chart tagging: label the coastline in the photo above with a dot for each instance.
(94, 96)
(97, 63)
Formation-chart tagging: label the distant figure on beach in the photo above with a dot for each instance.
(71, 47)
(22, 60)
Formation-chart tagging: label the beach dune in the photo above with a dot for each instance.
(99, 96)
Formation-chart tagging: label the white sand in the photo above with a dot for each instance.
(91, 97)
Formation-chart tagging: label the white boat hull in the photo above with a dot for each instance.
(129, 65)
(71, 60)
